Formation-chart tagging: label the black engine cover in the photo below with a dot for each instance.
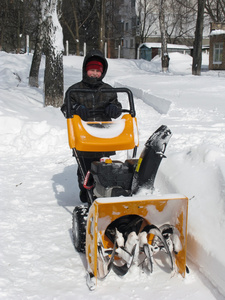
(115, 174)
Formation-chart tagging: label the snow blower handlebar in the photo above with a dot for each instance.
(112, 90)
(81, 139)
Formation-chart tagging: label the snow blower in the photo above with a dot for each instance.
(120, 226)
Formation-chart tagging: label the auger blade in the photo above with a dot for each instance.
(147, 251)
(156, 231)
(122, 270)
(105, 260)
(171, 233)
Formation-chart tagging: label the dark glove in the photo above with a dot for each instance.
(113, 111)
(82, 111)
(64, 110)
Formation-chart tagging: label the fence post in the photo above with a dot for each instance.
(85, 49)
(119, 50)
(138, 52)
(27, 42)
(106, 54)
(67, 48)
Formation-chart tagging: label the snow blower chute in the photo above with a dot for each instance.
(121, 226)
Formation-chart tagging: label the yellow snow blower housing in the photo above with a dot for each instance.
(120, 225)
(115, 135)
(167, 212)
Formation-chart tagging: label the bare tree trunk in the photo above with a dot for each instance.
(164, 53)
(197, 50)
(54, 80)
(34, 70)
(77, 39)
(18, 48)
(4, 7)
(54, 57)
(102, 26)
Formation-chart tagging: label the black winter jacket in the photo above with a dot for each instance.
(94, 101)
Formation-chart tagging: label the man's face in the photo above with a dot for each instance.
(94, 73)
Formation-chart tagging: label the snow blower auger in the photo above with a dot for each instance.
(120, 226)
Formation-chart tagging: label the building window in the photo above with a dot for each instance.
(134, 22)
(131, 43)
(217, 53)
(117, 43)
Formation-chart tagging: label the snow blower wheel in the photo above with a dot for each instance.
(79, 228)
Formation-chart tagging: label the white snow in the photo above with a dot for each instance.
(39, 185)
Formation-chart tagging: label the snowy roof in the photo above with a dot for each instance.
(169, 46)
(217, 32)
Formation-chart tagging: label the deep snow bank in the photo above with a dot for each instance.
(161, 105)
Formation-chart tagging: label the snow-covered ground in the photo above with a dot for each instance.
(39, 186)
